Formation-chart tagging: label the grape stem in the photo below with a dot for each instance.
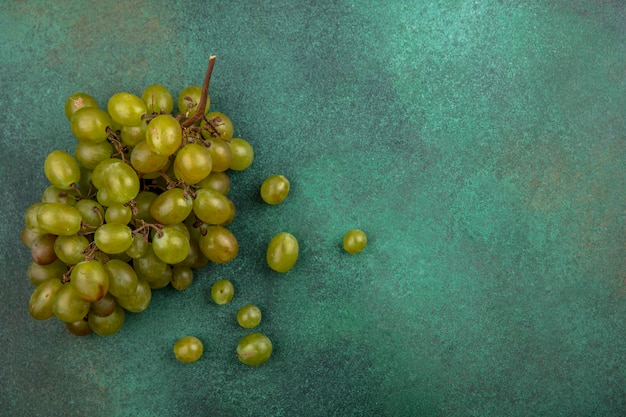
(197, 116)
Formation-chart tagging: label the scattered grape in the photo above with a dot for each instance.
(354, 241)
(254, 349)
(222, 291)
(188, 349)
(249, 316)
(275, 189)
(282, 252)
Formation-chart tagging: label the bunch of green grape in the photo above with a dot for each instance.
(140, 204)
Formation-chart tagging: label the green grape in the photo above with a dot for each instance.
(118, 213)
(211, 206)
(54, 194)
(138, 248)
(189, 99)
(170, 245)
(78, 101)
(182, 277)
(216, 125)
(354, 241)
(126, 109)
(282, 252)
(59, 219)
(217, 181)
(243, 154)
(158, 99)
(104, 306)
(39, 273)
(89, 155)
(99, 172)
(79, 327)
(222, 292)
(139, 300)
(275, 189)
(188, 349)
(113, 238)
(122, 278)
(221, 155)
(162, 281)
(150, 267)
(219, 245)
(249, 316)
(254, 349)
(181, 228)
(233, 211)
(132, 135)
(61, 169)
(90, 280)
(29, 237)
(171, 207)
(143, 203)
(67, 306)
(30, 219)
(70, 249)
(40, 304)
(108, 325)
(121, 182)
(192, 163)
(145, 161)
(164, 135)
(42, 250)
(89, 124)
(92, 213)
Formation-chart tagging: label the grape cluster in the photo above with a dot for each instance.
(141, 204)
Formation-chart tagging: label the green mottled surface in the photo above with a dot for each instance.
(481, 146)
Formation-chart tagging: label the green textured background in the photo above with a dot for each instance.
(480, 144)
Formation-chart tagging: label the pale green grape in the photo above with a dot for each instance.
(222, 291)
(282, 252)
(193, 163)
(164, 135)
(122, 278)
(145, 161)
(118, 213)
(139, 300)
(171, 207)
(254, 349)
(108, 325)
(170, 245)
(99, 172)
(150, 267)
(217, 181)
(70, 249)
(275, 189)
(39, 273)
(30, 218)
(138, 248)
(59, 219)
(143, 203)
(132, 135)
(189, 98)
(42, 298)
(92, 213)
(78, 101)
(89, 280)
(211, 206)
(53, 194)
(89, 124)
(61, 169)
(243, 154)
(113, 238)
(221, 155)
(219, 244)
(121, 182)
(126, 109)
(188, 349)
(67, 305)
(89, 155)
(217, 125)
(158, 99)
(354, 241)
(249, 316)
(182, 277)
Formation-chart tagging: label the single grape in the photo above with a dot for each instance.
(40, 304)
(249, 316)
(254, 349)
(222, 291)
(61, 169)
(217, 181)
(164, 135)
(171, 207)
(121, 182)
(107, 325)
(158, 99)
(29, 237)
(170, 245)
(210, 206)
(132, 135)
(89, 155)
(143, 203)
(138, 248)
(39, 273)
(282, 252)
(163, 281)
(182, 277)
(219, 244)
(354, 241)
(126, 109)
(221, 155)
(145, 161)
(99, 172)
(104, 198)
(150, 267)
(92, 213)
(118, 213)
(78, 101)
(193, 163)
(79, 327)
(104, 306)
(243, 154)
(139, 300)
(59, 219)
(216, 125)
(113, 238)
(90, 280)
(89, 124)
(275, 189)
(70, 249)
(189, 98)
(30, 219)
(188, 349)
(67, 305)
(53, 194)
(42, 251)
(122, 278)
